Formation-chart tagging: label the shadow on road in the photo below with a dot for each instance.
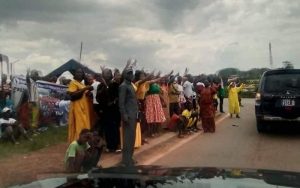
(283, 129)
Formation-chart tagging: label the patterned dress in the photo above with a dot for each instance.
(154, 111)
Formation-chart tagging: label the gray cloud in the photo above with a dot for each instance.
(43, 10)
(160, 34)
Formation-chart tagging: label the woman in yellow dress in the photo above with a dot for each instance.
(233, 100)
(80, 111)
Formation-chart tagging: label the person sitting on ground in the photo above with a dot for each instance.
(10, 128)
(93, 153)
(191, 118)
(5, 101)
(215, 102)
(84, 153)
(187, 120)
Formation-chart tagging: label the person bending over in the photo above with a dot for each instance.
(84, 153)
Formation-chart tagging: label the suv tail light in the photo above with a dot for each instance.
(257, 97)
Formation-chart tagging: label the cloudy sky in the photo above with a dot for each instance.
(203, 35)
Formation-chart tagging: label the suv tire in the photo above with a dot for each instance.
(261, 128)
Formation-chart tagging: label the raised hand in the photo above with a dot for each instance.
(128, 62)
(152, 73)
(186, 71)
(102, 67)
(158, 74)
(134, 63)
(103, 81)
(167, 75)
(28, 71)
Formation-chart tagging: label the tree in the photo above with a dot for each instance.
(228, 72)
(254, 73)
(287, 65)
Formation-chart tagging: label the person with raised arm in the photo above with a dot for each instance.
(79, 113)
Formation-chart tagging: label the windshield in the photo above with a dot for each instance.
(95, 84)
(282, 83)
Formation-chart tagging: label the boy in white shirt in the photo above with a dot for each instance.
(10, 128)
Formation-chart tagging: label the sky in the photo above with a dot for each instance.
(202, 35)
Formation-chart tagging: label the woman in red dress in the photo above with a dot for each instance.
(206, 107)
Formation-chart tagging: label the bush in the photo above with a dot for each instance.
(247, 94)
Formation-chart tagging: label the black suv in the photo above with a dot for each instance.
(278, 97)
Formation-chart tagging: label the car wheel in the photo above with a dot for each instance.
(260, 126)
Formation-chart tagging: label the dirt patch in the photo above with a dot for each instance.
(25, 168)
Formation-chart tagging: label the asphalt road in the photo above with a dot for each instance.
(237, 144)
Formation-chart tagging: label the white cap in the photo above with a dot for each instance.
(6, 109)
(200, 84)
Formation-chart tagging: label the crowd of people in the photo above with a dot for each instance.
(127, 108)
(10, 127)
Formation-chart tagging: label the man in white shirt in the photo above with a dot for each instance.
(188, 90)
(188, 87)
(64, 106)
(98, 80)
(10, 128)
(95, 84)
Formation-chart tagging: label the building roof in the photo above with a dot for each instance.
(71, 66)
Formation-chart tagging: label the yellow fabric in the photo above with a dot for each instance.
(34, 119)
(165, 96)
(173, 98)
(138, 133)
(187, 114)
(79, 113)
(134, 86)
(215, 96)
(191, 122)
(138, 136)
(233, 100)
(141, 89)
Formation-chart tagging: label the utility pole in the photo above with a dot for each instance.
(1, 61)
(12, 67)
(8, 72)
(81, 44)
(271, 57)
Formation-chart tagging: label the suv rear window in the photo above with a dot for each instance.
(281, 83)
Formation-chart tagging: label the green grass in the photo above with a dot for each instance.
(52, 136)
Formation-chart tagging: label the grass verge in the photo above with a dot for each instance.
(52, 136)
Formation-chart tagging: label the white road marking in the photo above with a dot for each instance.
(184, 141)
